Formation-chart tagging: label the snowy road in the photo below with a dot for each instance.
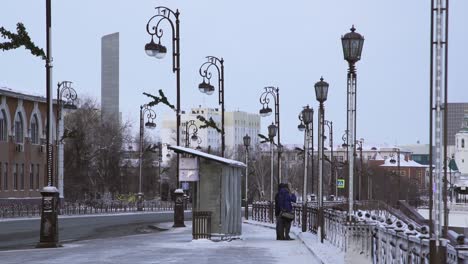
(258, 245)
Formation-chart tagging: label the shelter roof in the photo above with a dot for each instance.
(201, 154)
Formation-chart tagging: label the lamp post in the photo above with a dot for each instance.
(246, 139)
(333, 186)
(393, 161)
(150, 115)
(64, 91)
(272, 129)
(306, 116)
(321, 92)
(208, 88)
(359, 144)
(352, 43)
(190, 135)
(159, 51)
(159, 168)
(48, 236)
(452, 167)
(272, 92)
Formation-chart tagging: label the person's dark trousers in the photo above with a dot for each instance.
(287, 228)
(279, 228)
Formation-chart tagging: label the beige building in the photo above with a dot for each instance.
(237, 125)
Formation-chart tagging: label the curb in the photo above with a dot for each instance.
(296, 233)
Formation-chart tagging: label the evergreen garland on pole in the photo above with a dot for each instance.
(21, 38)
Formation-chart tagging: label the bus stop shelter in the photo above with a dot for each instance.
(217, 192)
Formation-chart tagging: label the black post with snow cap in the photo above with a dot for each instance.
(49, 219)
(179, 208)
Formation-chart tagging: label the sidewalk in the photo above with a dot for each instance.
(257, 245)
(324, 253)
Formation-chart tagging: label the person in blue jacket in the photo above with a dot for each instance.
(279, 220)
(284, 200)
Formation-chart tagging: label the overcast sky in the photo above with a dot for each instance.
(288, 44)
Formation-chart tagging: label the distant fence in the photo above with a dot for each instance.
(11, 210)
(377, 232)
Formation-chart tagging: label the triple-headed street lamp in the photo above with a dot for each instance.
(246, 145)
(352, 43)
(272, 130)
(66, 97)
(208, 88)
(321, 93)
(307, 117)
(159, 51)
(266, 111)
(151, 116)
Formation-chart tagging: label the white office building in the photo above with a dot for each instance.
(237, 125)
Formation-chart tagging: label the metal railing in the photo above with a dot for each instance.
(377, 232)
(82, 208)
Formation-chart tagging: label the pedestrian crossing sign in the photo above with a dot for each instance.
(340, 183)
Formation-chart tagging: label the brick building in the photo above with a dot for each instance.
(22, 144)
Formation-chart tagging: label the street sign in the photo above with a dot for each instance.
(185, 186)
(340, 183)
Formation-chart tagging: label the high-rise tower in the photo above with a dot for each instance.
(110, 76)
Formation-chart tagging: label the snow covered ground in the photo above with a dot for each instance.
(257, 245)
(456, 218)
(324, 253)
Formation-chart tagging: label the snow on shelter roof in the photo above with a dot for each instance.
(233, 163)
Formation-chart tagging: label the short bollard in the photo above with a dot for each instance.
(49, 219)
(140, 201)
(179, 208)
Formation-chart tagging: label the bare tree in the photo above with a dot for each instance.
(93, 152)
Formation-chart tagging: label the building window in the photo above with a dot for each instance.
(463, 143)
(19, 128)
(5, 177)
(3, 126)
(34, 130)
(31, 177)
(15, 177)
(22, 177)
(340, 158)
(37, 176)
(403, 173)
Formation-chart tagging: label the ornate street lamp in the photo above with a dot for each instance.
(151, 116)
(246, 145)
(272, 129)
(152, 49)
(321, 92)
(190, 135)
(352, 43)
(306, 116)
(159, 51)
(206, 87)
(272, 92)
(66, 98)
